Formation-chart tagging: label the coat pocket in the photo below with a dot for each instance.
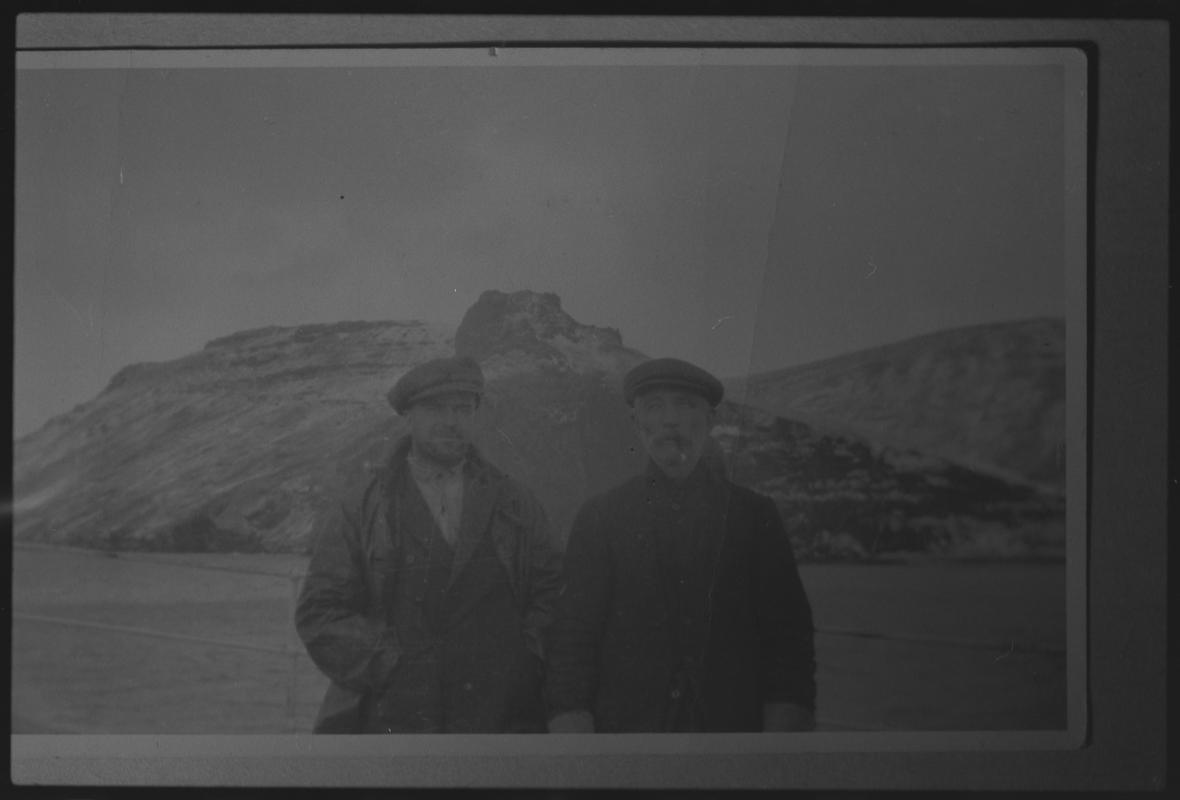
(341, 711)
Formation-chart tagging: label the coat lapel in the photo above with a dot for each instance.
(479, 499)
(412, 505)
(403, 499)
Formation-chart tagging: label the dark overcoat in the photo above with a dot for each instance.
(617, 647)
(352, 613)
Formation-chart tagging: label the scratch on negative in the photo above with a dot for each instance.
(874, 266)
(510, 442)
(77, 314)
(1011, 650)
(720, 320)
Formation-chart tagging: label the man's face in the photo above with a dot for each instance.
(441, 427)
(674, 426)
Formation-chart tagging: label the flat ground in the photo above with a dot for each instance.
(72, 679)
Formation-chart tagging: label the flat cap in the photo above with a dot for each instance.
(440, 376)
(671, 372)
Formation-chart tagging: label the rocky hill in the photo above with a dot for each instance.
(246, 445)
(239, 446)
(987, 397)
(849, 497)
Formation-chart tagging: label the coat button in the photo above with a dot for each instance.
(468, 686)
(675, 694)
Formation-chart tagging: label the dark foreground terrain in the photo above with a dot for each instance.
(934, 646)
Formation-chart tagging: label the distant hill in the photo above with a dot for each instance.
(248, 444)
(988, 397)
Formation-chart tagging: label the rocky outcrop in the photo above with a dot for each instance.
(535, 325)
(554, 412)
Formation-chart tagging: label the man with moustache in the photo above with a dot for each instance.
(426, 602)
(682, 609)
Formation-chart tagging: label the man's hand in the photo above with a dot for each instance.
(786, 717)
(572, 722)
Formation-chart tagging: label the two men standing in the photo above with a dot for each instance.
(682, 608)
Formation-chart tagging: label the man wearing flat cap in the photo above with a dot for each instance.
(427, 601)
(682, 609)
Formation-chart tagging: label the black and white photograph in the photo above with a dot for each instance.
(484, 400)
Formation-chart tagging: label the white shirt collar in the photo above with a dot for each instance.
(429, 472)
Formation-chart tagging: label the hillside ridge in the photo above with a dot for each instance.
(247, 444)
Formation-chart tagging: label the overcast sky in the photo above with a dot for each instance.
(743, 217)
